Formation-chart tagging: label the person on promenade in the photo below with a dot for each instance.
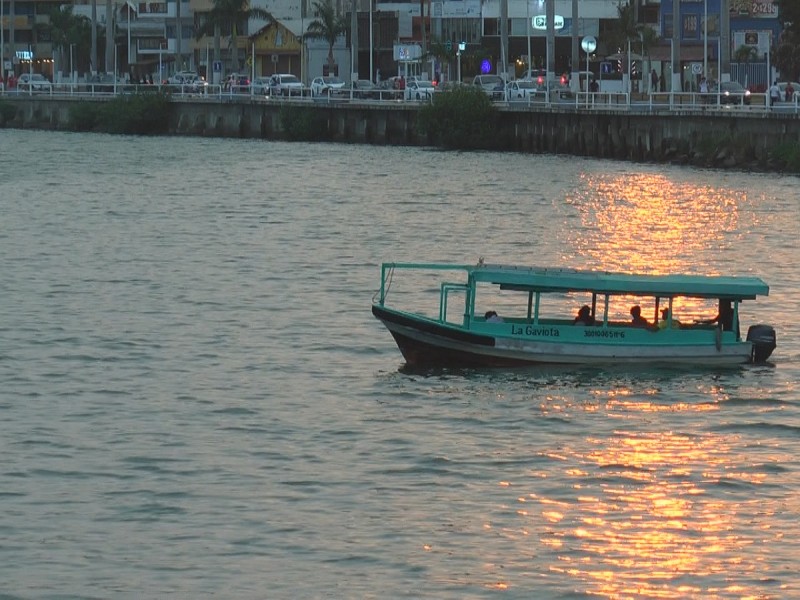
(774, 93)
(703, 90)
(789, 92)
(653, 81)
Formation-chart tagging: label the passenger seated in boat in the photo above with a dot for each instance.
(491, 317)
(664, 322)
(724, 316)
(584, 316)
(637, 320)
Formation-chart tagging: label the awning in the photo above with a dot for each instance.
(693, 53)
(623, 56)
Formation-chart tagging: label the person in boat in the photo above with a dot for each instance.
(637, 320)
(724, 316)
(584, 316)
(665, 316)
(492, 317)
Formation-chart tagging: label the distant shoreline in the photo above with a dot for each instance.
(741, 141)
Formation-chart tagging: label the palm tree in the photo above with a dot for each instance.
(228, 17)
(628, 30)
(67, 29)
(327, 26)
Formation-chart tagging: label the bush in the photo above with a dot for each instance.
(303, 124)
(788, 155)
(142, 114)
(463, 118)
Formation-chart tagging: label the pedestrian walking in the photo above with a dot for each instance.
(774, 93)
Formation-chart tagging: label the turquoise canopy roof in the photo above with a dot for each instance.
(541, 279)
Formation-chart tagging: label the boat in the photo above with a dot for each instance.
(536, 322)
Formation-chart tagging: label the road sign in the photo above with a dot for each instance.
(697, 68)
(589, 44)
(217, 66)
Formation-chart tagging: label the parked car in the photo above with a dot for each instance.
(260, 86)
(181, 77)
(325, 85)
(493, 85)
(188, 81)
(796, 95)
(522, 89)
(34, 82)
(237, 84)
(537, 75)
(731, 92)
(364, 89)
(102, 81)
(286, 84)
(419, 89)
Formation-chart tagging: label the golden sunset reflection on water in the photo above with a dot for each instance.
(648, 512)
(647, 223)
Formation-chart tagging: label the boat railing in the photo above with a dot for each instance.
(446, 288)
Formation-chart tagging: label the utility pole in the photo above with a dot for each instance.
(504, 37)
(725, 41)
(354, 43)
(575, 84)
(109, 37)
(550, 12)
(93, 57)
(677, 85)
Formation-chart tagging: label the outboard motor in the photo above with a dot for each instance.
(762, 338)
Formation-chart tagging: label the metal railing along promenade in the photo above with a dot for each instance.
(668, 102)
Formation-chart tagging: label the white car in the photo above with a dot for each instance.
(492, 85)
(286, 84)
(521, 89)
(419, 89)
(35, 82)
(260, 85)
(326, 84)
(188, 81)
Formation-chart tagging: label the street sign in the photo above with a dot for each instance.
(217, 66)
(589, 44)
(697, 68)
(540, 22)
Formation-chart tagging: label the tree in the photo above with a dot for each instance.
(327, 26)
(67, 29)
(228, 17)
(627, 30)
(745, 54)
(789, 15)
(787, 55)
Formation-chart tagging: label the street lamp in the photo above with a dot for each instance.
(705, 39)
(2, 44)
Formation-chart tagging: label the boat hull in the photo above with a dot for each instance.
(423, 341)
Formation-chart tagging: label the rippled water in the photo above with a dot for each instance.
(196, 400)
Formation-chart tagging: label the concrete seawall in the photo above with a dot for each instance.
(732, 138)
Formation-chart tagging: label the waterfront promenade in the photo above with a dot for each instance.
(678, 128)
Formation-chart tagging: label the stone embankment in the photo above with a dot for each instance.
(737, 139)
